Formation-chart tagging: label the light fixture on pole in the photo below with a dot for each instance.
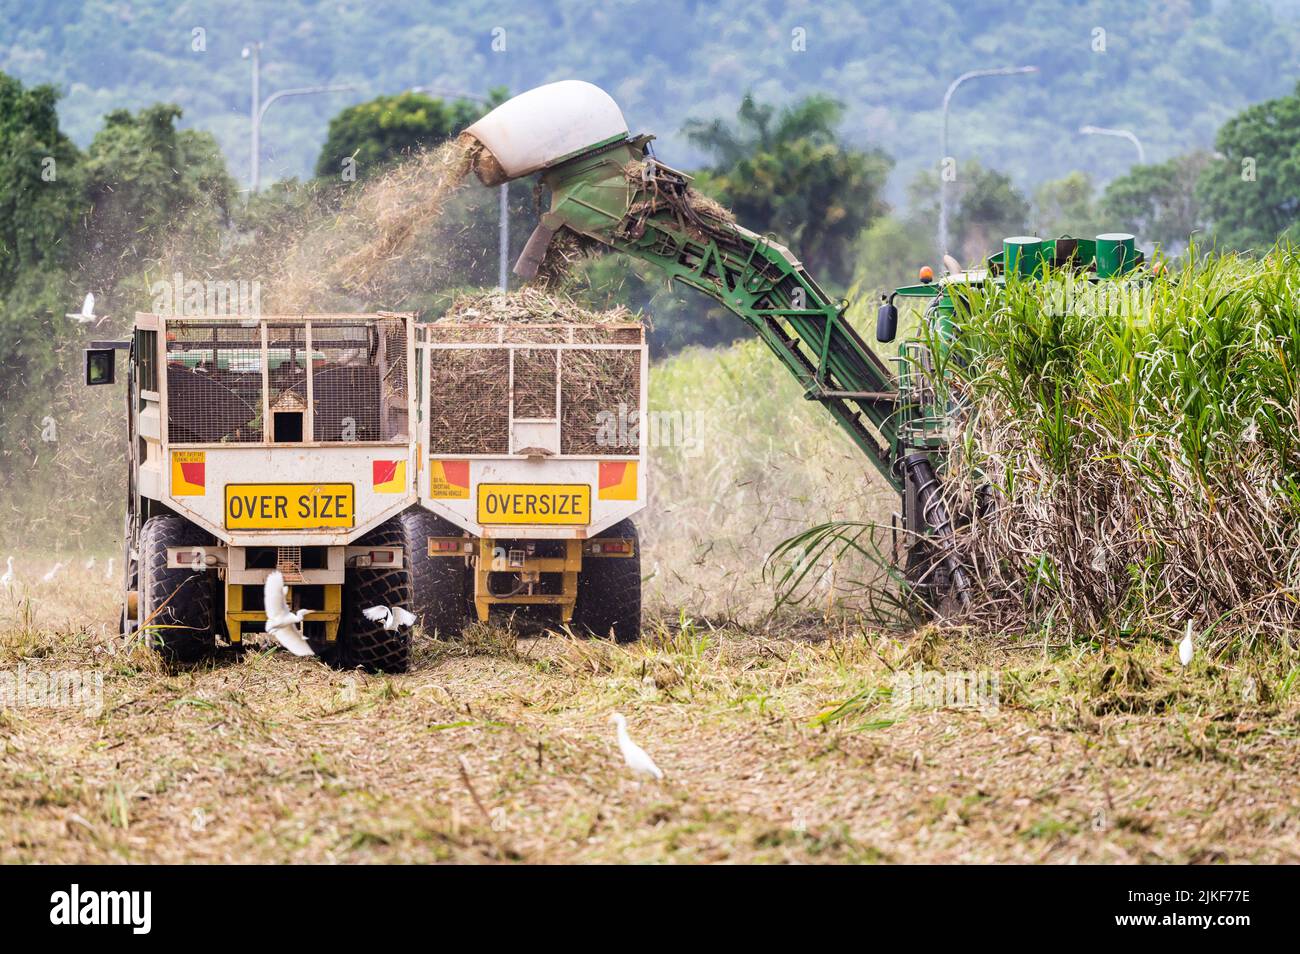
(1118, 134)
(258, 112)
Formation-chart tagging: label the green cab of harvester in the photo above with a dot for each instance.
(1113, 255)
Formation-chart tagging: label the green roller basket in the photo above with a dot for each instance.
(1116, 254)
(1024, 255)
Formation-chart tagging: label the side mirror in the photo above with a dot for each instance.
(886, 322)
(101, 366)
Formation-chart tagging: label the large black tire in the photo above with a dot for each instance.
(609, 591)
(175, 606)
(438, 583)
(367, 645)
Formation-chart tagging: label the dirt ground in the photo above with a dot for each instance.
(807, 741)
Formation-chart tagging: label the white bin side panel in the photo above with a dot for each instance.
(457, 498)
(381, 478)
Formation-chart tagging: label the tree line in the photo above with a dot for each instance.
(72, 220)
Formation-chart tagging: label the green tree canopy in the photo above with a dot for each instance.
(1252, 194)
(984, 207)
(141, 176)
(39, 202)
(786, 172)
(376, 132)
(39, 191)
(1158, 203)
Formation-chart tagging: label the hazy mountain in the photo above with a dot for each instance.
(1169, 70)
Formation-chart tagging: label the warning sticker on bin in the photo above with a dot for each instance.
(289, 506)
(189, 473)
(449, 479)
(534, 504)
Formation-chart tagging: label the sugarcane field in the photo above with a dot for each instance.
(429, 438)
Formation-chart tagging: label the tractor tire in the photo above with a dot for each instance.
(367, 645)
(437, 583)
(609, 591)
(175, 606)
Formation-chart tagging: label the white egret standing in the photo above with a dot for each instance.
(637, 759)
(1185, 648)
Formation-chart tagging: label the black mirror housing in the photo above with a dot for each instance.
(101, 366)
(886, 322)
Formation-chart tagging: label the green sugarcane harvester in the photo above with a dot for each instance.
(606, 185)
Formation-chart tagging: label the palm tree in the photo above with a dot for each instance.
(814, 118)
(785, 171)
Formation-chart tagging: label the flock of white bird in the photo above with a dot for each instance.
(285, 625)
(9, 579)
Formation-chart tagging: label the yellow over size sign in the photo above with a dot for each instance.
(289, 506)
(534, 503)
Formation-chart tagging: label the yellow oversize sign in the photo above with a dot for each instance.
(534, 503)
(289, 506)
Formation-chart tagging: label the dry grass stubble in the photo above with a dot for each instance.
(497, 750)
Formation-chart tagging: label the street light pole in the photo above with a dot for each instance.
(943, 146)
(254, 52)
(503, 238)
(1119, 134)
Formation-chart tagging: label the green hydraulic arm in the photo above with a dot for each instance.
(621, 196)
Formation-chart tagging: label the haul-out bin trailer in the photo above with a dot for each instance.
(262, 444)
(533, 467)
(495, 466)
